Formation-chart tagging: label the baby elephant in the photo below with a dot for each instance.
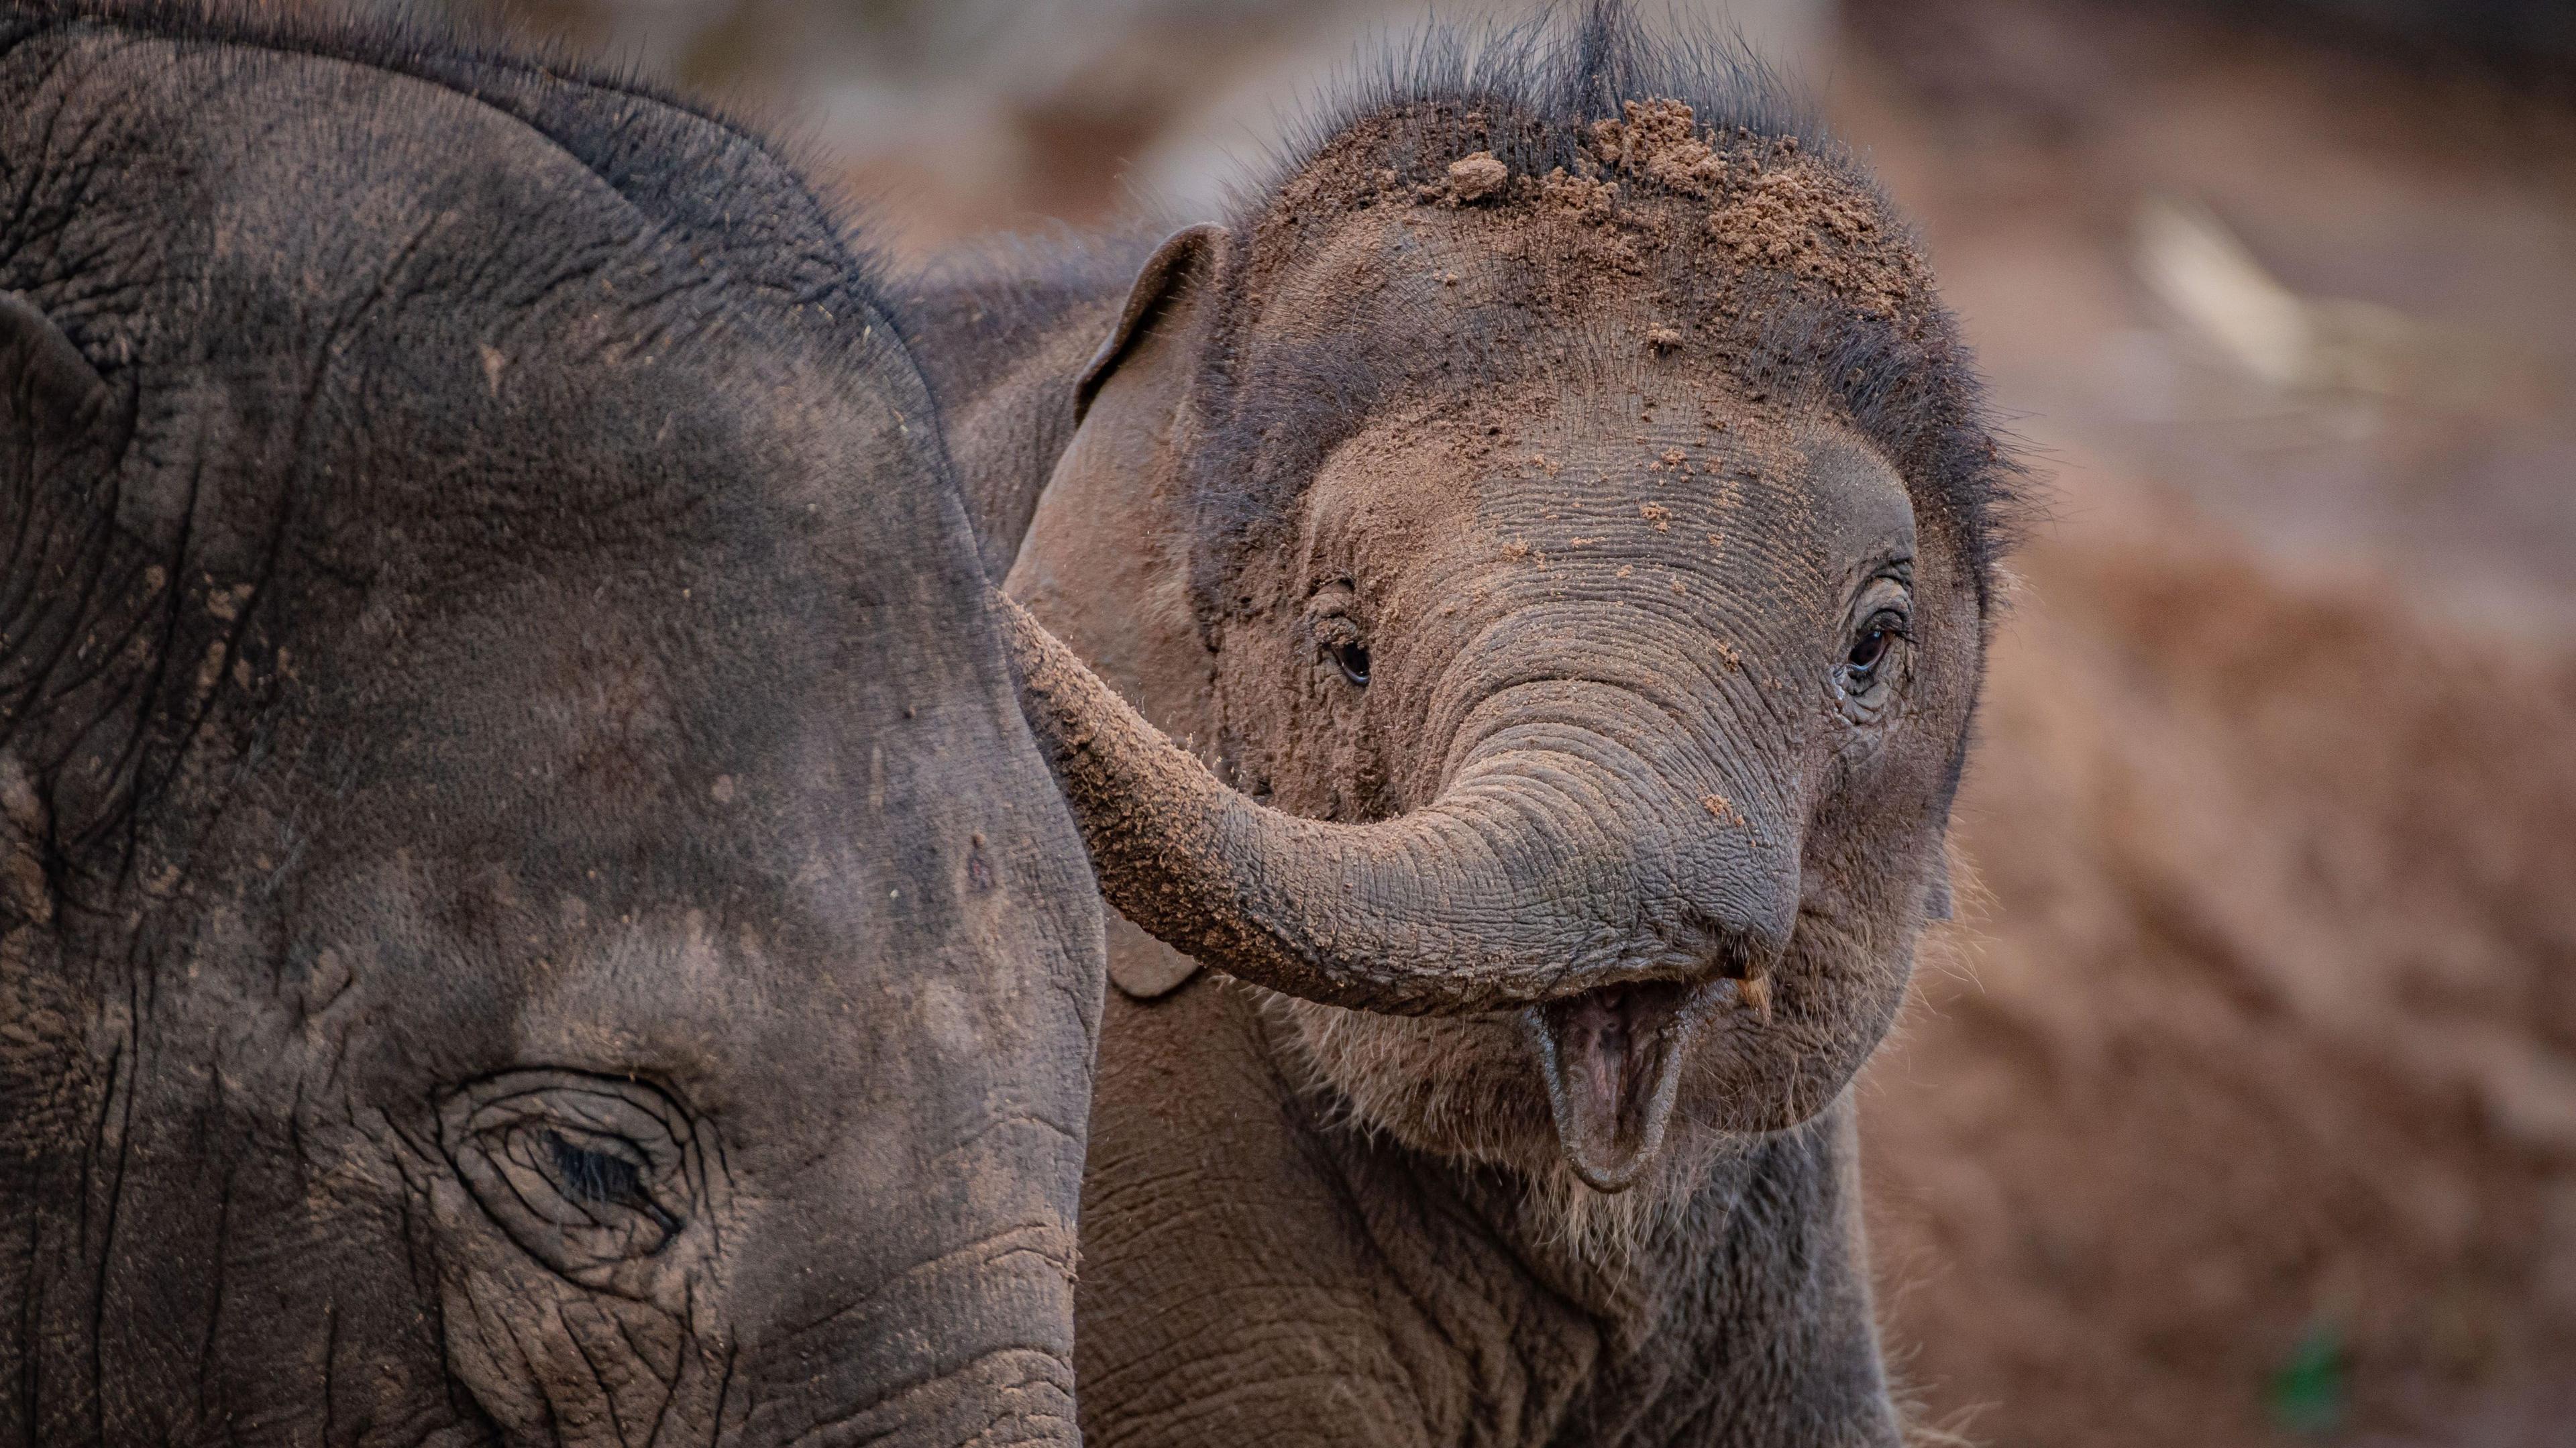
(528, 909)
(1562, 523)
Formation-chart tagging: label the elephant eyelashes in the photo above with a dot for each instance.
(601, 1175)
(593, 1175)
(1864, 680)
(583, 1173)
(1329, 621)
(1871, 647)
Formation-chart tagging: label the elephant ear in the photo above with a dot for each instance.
(54, 397)
(1125, 402)
(1160, 297)
(1142, 967)
(55, 407)
(1953, 879)
(56, 436)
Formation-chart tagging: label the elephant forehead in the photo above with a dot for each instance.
(1705, 488)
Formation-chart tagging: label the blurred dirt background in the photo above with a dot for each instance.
(2241, 1108)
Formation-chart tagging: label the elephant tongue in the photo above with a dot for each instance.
(1612, 1060)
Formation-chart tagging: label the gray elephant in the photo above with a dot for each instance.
(529, 911)
(1560, 524)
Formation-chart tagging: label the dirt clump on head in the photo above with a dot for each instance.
(1770, 205)
(1775, 209)
(1660, 140)
(1476, 177)
(1725, 215)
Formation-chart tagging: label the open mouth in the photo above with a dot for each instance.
(1612, 1061)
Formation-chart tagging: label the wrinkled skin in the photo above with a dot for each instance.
(1632, 668)
(1694, 710)
(528, 910)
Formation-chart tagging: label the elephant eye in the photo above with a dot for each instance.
(597, 1173)
(1868, 650)
(1871, 647)
(583, 1173)
(1337, 634)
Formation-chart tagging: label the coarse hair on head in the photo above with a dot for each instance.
(1553, 76)
(1544, 99)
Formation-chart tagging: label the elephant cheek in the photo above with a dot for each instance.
(1756, 1078)
(554, 1362)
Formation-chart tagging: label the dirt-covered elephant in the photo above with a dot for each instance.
(1559, 523)
(529, 911)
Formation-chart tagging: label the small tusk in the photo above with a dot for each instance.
(1755, 992)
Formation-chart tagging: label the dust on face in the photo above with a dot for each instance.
(1593, 461)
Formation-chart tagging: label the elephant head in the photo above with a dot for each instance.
(528, 909)
(1565, 522)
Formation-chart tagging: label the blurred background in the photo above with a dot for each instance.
(2240, 1108)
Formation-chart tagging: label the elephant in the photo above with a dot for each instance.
(530, 912)
(1511, 598)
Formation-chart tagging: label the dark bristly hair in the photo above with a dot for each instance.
(1556, 75)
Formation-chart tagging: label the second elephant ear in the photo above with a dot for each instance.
(1147, 355)
(1164, 287)
(63, 428)
(51, 395)
(60, 422)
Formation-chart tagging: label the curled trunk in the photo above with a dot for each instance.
(1503, 892)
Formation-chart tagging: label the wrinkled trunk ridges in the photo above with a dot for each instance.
(1467, 905)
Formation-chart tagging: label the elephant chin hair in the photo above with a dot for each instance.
(1363, 1072)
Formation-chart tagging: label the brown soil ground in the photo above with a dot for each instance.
(2258, 1039)
(2247, 1113)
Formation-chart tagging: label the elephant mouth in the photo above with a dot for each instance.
(1612, 1062)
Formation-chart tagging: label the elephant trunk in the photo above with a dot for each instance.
(1506, 891)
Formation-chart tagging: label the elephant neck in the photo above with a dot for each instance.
(1753, 1278)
